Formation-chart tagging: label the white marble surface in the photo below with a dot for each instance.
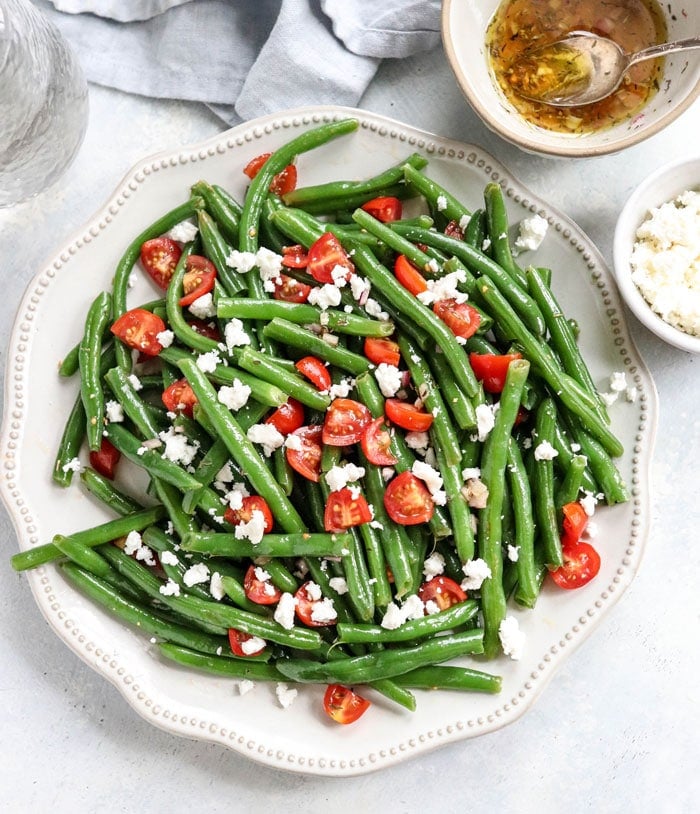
(619, 726)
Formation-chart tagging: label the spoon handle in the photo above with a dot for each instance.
(664, 48)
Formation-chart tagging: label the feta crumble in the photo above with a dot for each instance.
(284, 612)
(183, 232)
(114, 412)
(203, 307)
(340, 475)
(326, 296)
(207, 362)
(531, 233)
(475, 572)
(544, 451)
(253, 529)
(268, 436)
(235, 335)
(511, 637)
(285, 694)
(196, 575)
(234, 396)
(389, 379)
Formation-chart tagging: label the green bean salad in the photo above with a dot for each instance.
(363, 435)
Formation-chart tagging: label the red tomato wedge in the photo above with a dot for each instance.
(574, 523)
(290, 290)
(287, 417)
(409, 276)
(380, 351)
(442, 590)
(306, 460)
(581, 564)
(460, 317)
(105, 459)
(251, 503)
(345, 422)
(282, 183)
(376, 443)
(200, 275)
(308, 597)
(407, 500)
(236, 639)
(343, 705)
(491, 369)
(344, 510)
(385, 208)
(180, 398)
(408, 416)
(295, 257)
(159, 257)
(260, 591)
(208, 329)
(139, 330)
(453, 229)
(315, 371)
(324, 255)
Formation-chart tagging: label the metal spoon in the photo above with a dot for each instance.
(580, 69)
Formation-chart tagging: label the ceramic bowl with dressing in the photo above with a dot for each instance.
(465, 30)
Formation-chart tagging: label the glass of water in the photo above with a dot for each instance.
(43, 102)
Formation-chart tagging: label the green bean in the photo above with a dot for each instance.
(376, 562)
(217, 250)
(570, 487)
(242, 450)
(475, 232)
(443, 677)
(497, 230)
(438, 197)
(69, 446)
(545, 511)
(219, 665)
(132, 404)
(82, 555)
(96, 324)
(225, 211)
(104, 533)
(457, 402)
(104, 490)
(457, 506)
(186, 334)
(521, 497)
(412, 629)
(271, 545)
(235, 591)
(604, 470)
(493, 466)
(384, 663)
(565, 456)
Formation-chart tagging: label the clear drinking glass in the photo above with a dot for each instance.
(43, 102)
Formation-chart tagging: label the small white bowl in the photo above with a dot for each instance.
(663, 185)
(464, 24)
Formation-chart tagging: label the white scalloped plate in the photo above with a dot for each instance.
(300, 738)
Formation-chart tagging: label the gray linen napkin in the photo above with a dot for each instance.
(243, 58)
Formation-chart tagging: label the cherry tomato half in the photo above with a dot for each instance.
(376, 443)
(345, 422)
(295, 257)
(139, 329)
(105, 459)
(344, 510)
(159, 257)
(250, 504)
(407, 500)
(406, 415)
(236, 639)
(491, 369)
(379, 350)
(453, 229)
(324, 255)
(180, 398)
(315, 371)
(409, 275)
(208, 329)
(343, 705)
(290, 290)
(581, 564)
(442, 590)
(287, 417)
(200, 275)
(385, 208)
(285, 181)
(460, 317)
(260, 591)
(306, 460)
(306, 602)
(574, 523)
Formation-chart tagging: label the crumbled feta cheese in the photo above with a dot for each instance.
(203, 307)
(73, 465)
(253, 645)
(395, 615)
(132, 543)
(326, 296)
(433, 565)
(339, 585)
(183, 232)
(475, 571)
(532, 231)
(285, 694)
(444, 288)
(342, 389)
(196, 575)
(216, 586)
(588, 503)
(419, 441)
(486, 244)
(544, 451)
(241, 261)
(235, 396)
(168, 558)
(293, 442)
(476, 493)
(441, 203)
(177, 447)
(225, 474)
(170, 588)
(269, 264)
(165, 338)
(618, 381)
(135, 382)
(374, 309)
(393, 618)
(464, 222)
(359, 287)
(339, 275)
(253, 529)
(511, 637)
(389, 379)
(267, 435)
(284, 612)
(245, 686)
(485, 420)
(207, 362)
(513, 552)
(340, 475)
(235, 335)
(323, 612)
(234, 498)
(114, 412)
(431, 477)
(665, 261)
(471, 472)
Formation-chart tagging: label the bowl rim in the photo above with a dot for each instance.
(577, 149)
(629, 219)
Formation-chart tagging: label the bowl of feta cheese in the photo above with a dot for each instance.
(656, 253)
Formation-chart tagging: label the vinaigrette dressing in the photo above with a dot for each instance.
(519, 26)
